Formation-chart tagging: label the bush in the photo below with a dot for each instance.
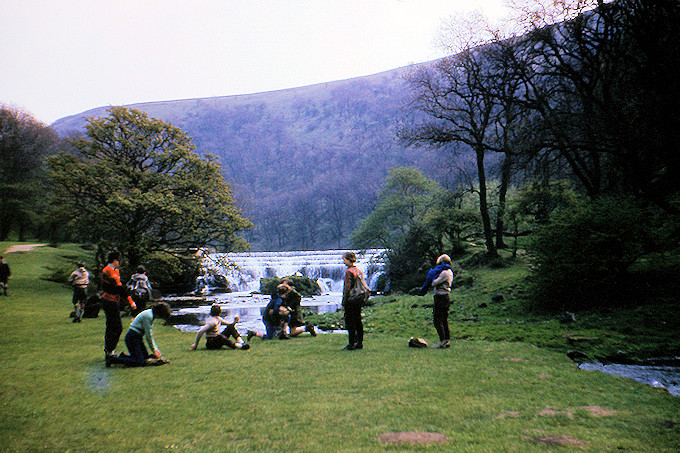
(303, 285)
(584, 255)
(172, 274)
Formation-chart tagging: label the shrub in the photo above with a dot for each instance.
(172, 274)
(303, 285)
(583, 256)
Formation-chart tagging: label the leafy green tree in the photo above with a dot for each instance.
(403, 202)
(135, 183)
(24, 143)
(584, 255)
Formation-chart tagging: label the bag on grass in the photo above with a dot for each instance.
(417, 343)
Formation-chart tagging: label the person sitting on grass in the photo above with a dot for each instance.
(142, 327)
(273, 316)
(296, 320)
(214, 339)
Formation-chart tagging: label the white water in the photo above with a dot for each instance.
(243, 271)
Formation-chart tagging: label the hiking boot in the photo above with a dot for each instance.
(349, 347)
(250, 335)
(245, 346)
(310, 328)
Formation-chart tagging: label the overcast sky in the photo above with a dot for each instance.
(62, 57)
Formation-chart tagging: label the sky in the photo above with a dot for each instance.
(63, 57)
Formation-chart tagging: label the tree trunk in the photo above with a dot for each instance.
(491, 250)
(502, 202)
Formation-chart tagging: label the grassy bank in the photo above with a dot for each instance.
(303, 394)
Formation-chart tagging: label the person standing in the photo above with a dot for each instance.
(79, 280)
(142, 329)
(4, 275)
(113, 293)
(441, 277)
(140, 289)
(353, 323)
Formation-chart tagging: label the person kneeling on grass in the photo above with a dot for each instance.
(215, 339)
(142, 327)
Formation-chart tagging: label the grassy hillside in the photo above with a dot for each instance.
(303, 394)
(304, 163)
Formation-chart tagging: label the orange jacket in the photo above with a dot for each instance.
(112, 286)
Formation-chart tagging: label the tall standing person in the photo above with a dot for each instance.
(441, 277)
(113, 293)
(79, 279)
(353, 323)
(4, 275)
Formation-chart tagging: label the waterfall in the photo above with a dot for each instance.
(243, 271)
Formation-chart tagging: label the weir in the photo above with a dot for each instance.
(242, 272)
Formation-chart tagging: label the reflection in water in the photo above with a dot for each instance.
(248, 308)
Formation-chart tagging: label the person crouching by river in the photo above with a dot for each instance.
(214, 339)
(296, 320)
(142, 328)
(440, 278)
(353, 323)
(113, 294)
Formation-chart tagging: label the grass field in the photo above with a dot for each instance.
(300, 395)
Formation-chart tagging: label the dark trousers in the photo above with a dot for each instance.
(137, 353)
(441, 316)
(114, 325)
(223, 339)
(353, 323)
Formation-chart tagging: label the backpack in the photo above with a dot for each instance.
(360, 291)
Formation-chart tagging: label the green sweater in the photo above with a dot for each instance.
(143, 325)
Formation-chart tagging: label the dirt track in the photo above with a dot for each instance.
(23, 248)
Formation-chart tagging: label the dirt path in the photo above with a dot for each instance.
(23, 248)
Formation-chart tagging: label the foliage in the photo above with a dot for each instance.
(404, 201)
(584, 255)
(24, 143)
(303, 285)
(170, 273)
(135, 184)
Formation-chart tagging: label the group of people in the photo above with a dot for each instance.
(282, 317)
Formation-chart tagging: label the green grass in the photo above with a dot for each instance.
(303, 394)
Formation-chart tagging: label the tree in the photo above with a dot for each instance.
(403, 202)
(24, 143)
(603, 85)
(135, 184)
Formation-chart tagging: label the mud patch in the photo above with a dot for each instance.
(547, 412)
(413, 438)
(559, 441)
(508, 414)
(597, 411)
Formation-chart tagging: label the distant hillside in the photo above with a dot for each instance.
(304, 163)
